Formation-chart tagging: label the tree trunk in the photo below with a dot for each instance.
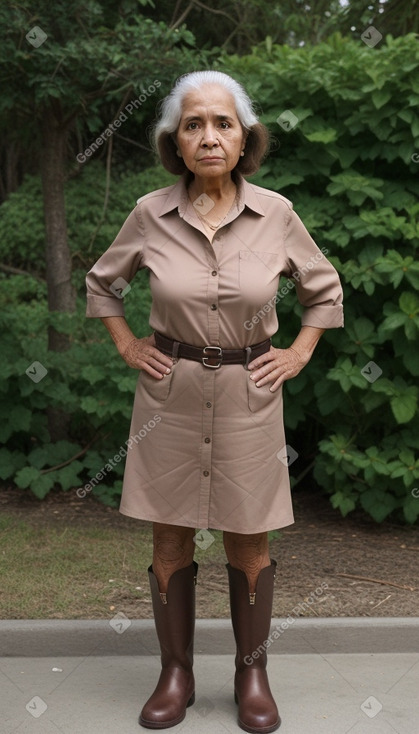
(10, 165)
(61, 294)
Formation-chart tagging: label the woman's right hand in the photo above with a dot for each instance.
(142, 354)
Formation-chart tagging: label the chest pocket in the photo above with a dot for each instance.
(259, 271)
(157, 389)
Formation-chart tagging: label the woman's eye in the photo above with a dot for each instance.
(224, 125)
(192, 126)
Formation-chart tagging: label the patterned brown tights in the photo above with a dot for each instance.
(173, 548)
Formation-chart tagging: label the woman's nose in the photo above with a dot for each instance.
(209, 137)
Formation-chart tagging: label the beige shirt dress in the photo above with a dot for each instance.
(206, 446)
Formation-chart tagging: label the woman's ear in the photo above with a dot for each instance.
(174, 138)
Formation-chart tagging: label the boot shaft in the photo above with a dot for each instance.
(174, 615)
(251, 614)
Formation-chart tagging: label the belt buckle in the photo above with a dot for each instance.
(219, 354)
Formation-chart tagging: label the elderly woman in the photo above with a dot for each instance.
(209, 393)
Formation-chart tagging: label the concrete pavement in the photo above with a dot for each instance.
(331, 676)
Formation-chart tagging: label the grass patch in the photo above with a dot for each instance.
(78, 573)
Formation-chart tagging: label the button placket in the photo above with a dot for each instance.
(208, 392)
(206, 447)
(212, 297)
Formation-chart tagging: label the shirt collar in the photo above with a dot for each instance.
(177, 197)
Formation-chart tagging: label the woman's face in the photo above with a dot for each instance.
(210, 137)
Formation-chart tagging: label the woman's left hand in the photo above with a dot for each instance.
(276, 366)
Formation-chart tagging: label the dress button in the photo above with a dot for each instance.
(209, 405)
(213, 306)
(214, 272)
(207, 440)
(206, 473)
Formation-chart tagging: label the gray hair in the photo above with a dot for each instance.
(171, 107)
(171, 112)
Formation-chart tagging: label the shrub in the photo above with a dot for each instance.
(90, 230)
(350, 167)
(89, 381)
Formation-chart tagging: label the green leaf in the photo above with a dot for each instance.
(342, 502)
(410, 477)
(93, 373)
(363, 329)
(393, 321)
(51, 454)
(411, 361)
(327, 135)
(409, 303)
(26, 476)
(288, 179)
(377, 503)
(69, 476)
(369, 287)
(9, 462)
(397, 469)
(407, 456)
(89, 404)
(411, 509)
(404, 405)
(380, 98)
(385, 386)
(40, 457)
(410, 330)
(347, 375)
(43, 484)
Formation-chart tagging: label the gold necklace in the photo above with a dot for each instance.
(214, 227)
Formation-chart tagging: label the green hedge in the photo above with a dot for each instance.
(90, 381)
(351, 166)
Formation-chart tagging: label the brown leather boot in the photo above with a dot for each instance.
(251, 618)
(174, 616)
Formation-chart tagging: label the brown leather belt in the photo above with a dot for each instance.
(211, 356)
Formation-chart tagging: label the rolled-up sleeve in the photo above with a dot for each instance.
(110, 275)
(317, 282)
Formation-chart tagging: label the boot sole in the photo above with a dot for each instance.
(260, 729)
(166, 724)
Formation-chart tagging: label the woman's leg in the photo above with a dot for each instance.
(173, 548)
(248, 553)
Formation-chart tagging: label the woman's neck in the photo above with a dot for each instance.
(216, 188)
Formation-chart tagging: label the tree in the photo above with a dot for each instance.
(62, 63)
(237, 25)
